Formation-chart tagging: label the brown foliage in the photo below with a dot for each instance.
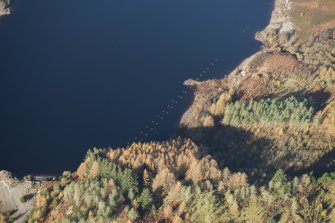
(163, 182)
(94, 172)
(82, 170)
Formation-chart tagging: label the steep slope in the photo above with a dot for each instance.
(175, 181)
(297, 62)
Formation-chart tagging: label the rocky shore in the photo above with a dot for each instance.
(18, 196)
(4, 7)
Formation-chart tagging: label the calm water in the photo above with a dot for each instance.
(78, 74)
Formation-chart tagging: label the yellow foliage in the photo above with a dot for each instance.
(164, 180)
(218, 108)
(2, 218)
(95, 169)
(146, 178)
(233, 209)
(41, 201)
(208, 122)
(81, 171)
(254, 213)
(167, 211)
(177, 219)
(237, 180)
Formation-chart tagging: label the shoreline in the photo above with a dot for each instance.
(279, 20)
(297, 60)
(280, 43)
(240, 69)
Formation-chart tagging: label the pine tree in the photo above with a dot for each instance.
(146, 199)
(133, 214)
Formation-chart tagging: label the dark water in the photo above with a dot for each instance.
(78, 74)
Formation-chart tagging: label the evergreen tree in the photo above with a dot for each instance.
(133, 214)
(146, 199)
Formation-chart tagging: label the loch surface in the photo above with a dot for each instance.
(81, 74)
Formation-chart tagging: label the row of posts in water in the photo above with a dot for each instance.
(154, 124)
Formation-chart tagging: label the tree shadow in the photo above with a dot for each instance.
(19, 216)
(317, 99)
(29, 196)
(259, 157)
(242, 151)
(325, 164)
(236, 149)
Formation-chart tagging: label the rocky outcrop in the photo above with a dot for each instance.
(17, 195)
(280, 29)
(4, 7)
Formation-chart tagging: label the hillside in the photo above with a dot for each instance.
(291, 80)
(175, 181)
(255, 146)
